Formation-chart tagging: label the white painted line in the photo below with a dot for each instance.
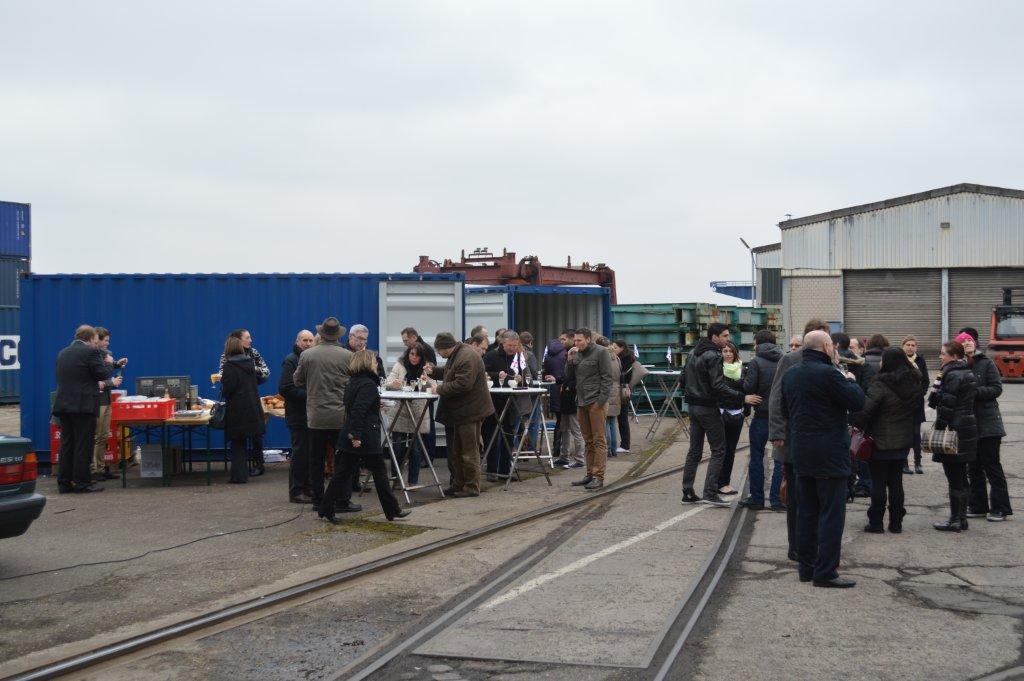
(587, 560)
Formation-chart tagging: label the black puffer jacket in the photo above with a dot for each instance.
(922, 368)
(986, 405)
(362, 415)
(703, 382)
(954, 406)
(890, 412)
(760, 374)
(872, 363)
(243, 414)
(294, 396)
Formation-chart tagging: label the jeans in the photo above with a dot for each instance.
(733, 430)
(820, 520)
(407, 448)
(623, 418)
(987, 466)
(609, 434)
(887, 479)
(705, 421)
(572, 446)
(758, 442)
(863, 476)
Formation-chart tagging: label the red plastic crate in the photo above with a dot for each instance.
(150, 410)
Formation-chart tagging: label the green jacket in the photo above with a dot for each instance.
(595, 375)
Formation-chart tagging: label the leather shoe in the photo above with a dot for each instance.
(65, 490)
(594, 484)
(88, 489)
(752, 505)
(874, 529)
(837, 583)
(329, 518)
(462, 494)
(350, 508)
(689, 497)
(400, 514)
(450, 491)
(584, 481)
(804, 579)
(793, 556)
(301, 499)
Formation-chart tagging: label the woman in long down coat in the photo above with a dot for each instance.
(243, 414)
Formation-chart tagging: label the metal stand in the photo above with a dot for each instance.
(405, 400)
(517, 449)
(670, 399)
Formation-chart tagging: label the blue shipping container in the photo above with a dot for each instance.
(544, 311)
(11, 270)
(15, 229)
(175, 325)
(10, 367)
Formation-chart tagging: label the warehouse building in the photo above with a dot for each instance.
(925, 264)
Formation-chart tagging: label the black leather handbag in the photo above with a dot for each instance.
(217, 412)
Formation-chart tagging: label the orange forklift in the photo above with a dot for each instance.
(1006, 344)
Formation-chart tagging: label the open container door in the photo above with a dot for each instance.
(430, 307)
(491, 306)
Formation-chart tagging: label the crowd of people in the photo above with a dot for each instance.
(806, 402)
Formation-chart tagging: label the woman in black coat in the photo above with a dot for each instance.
(890, 418)
(359, 442)
(909, 346)
(953, 400)
(990, 436)
(243, 413)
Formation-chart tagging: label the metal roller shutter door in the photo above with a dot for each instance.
(895, 303)
(974, 292)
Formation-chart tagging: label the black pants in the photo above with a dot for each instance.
(346, 468)
(320, 443)
(239, 460)
(956, 475)
(623, 424)
(821, 517)
(886, 478)
(987, 466)
(256, 452)
(705, 421)
(733, 430)
(916, 446)
(556, 445)
(77, 437)
(298, 471)
(792, 502)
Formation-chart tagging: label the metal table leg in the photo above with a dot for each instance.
(514, 465)
(394, 458)
(423, 446)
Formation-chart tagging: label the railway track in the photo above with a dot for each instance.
(688, 612)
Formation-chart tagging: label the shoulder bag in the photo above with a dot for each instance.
(861, 445)
(937, 441)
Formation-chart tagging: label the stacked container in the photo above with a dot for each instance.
(665, 333)
(15, 259)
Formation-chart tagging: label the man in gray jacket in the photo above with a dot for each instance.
(595, 375)
(323, 372)
(777, 423)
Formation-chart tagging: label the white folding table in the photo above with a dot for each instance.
(405, 400)
(519, 453)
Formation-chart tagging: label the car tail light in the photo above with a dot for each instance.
(24, 471)
(29, 468)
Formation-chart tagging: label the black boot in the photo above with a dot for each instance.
(955, 514)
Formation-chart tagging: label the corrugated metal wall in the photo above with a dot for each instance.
(546, 315)
(984, 231)
(972, 295)
(15, 229)
(895, 304)
(176, 324)
(768, 259)
(10, 366)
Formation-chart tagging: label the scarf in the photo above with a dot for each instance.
(733, 371)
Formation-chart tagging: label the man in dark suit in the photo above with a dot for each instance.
(817, 398)
(82, 372)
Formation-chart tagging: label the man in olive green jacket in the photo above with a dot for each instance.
(465, 403)
(591, 366)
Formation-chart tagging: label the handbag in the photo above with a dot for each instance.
(217, 412)
(861, 445)
(944, 441)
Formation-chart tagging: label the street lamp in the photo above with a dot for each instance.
(753, 272)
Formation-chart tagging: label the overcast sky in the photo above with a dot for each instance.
(355, 136)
